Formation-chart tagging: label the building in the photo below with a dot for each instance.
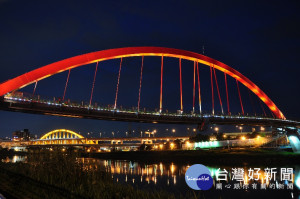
(21, 135)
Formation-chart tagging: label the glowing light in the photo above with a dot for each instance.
(172, 145)
(243, 138)
(60, 130)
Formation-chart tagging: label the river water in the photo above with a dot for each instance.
(170, 177)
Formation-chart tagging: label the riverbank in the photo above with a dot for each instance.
(223, 156)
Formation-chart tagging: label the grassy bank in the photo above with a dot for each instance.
(60, 176)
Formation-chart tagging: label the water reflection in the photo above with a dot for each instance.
(171, 176)
(14, 159)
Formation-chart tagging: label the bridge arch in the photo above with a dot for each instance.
(60, 134)
(73, 62)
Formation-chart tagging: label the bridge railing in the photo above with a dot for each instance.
(29, 98)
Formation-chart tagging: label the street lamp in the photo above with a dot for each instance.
(217, 129)
(141, 133)
(173, 131)
(154, 132)
(100, 134)
(113, 134)
(262, 128)
(241, 128)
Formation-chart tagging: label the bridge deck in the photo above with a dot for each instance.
(57, 109)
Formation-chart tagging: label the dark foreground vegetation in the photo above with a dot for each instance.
(58, 175)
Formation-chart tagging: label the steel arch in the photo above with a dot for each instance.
(73, 62)
(60, 130)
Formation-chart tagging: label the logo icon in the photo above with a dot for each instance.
(198, 177)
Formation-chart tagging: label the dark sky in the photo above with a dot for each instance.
(260, 39)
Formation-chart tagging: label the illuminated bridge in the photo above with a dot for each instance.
(14, 100)
(67, 137)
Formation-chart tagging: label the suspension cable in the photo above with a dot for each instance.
(93, 83)
(141, 76)
(161, 83)
(218, 90)
(212, 90)
(180, 77)
(194, 87)
(34, 88)
(238, 88)
(63, 99)
(118, 84)
(227, 94)
(199, 93)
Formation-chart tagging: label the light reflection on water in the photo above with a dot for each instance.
(171, 176)
(14, 159)
(165, 176)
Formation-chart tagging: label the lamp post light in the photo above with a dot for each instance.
(241, 128)
(100, 134)
(113, 134)
(173, 131)
(217, 130)
(154, 132)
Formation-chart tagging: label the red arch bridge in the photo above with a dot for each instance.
(12, 99)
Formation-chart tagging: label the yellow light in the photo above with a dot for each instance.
(172, 145)
(258, 137)
(161, 146)
(243, 138)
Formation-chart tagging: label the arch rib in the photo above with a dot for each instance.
(73, 62)
(55, 133)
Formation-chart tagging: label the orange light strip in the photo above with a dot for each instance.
(73, 62)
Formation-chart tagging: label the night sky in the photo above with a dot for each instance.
(260, 39)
